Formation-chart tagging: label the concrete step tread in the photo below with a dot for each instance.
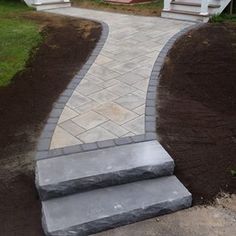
(50, 3)
(193, 4)
(192, 13)
(100, 168)
(101, 209)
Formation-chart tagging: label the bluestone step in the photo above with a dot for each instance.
(101, 168)
(105, 208)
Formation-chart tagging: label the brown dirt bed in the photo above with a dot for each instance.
(24, 106)
(196, 109)
(148, 8)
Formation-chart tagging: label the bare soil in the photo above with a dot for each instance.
(147, 8)
(217, 219)
(24, 107)
(196, 109)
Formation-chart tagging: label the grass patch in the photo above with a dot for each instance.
(223, 18)
(18, 37)
(152, 9)
(233, 172)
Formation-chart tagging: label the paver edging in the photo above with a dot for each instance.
(43, 148)
(44, 141)
(151, 97)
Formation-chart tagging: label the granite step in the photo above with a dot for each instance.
(97, 210)
(85, 171)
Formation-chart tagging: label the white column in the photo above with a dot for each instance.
(167, 5)
(204, 7)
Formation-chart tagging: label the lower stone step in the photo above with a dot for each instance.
(94, 211)
(78, 172)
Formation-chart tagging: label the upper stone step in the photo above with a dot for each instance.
(100, 168)
(102, 209)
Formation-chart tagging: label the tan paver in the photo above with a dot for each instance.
(130, 101)
(96, 134)
(110, 100)
(136, 125)
(63, 138)
(67, 114)
(89, 120)
(72, 127)
(116, 113)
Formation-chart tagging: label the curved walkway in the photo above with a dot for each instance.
(110, 101)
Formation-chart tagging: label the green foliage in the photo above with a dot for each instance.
(233, 172)
(219, 18)
(18, 37)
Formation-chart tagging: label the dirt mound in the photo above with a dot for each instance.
(197, 110)
(24, 106)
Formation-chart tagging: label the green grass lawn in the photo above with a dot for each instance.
(223, 18)
(153, 8)
(17, 38)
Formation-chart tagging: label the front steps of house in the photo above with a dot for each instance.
(193, 10)
(101, 168)
(190, 10)
(41, 5)
(88, 192)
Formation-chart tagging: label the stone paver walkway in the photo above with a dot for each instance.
(110, 100)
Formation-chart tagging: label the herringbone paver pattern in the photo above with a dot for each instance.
(110, 100)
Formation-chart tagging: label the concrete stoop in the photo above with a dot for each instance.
(51, 4)
(89, 192)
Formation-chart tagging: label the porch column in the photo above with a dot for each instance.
(204, 7)
(167, 5)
